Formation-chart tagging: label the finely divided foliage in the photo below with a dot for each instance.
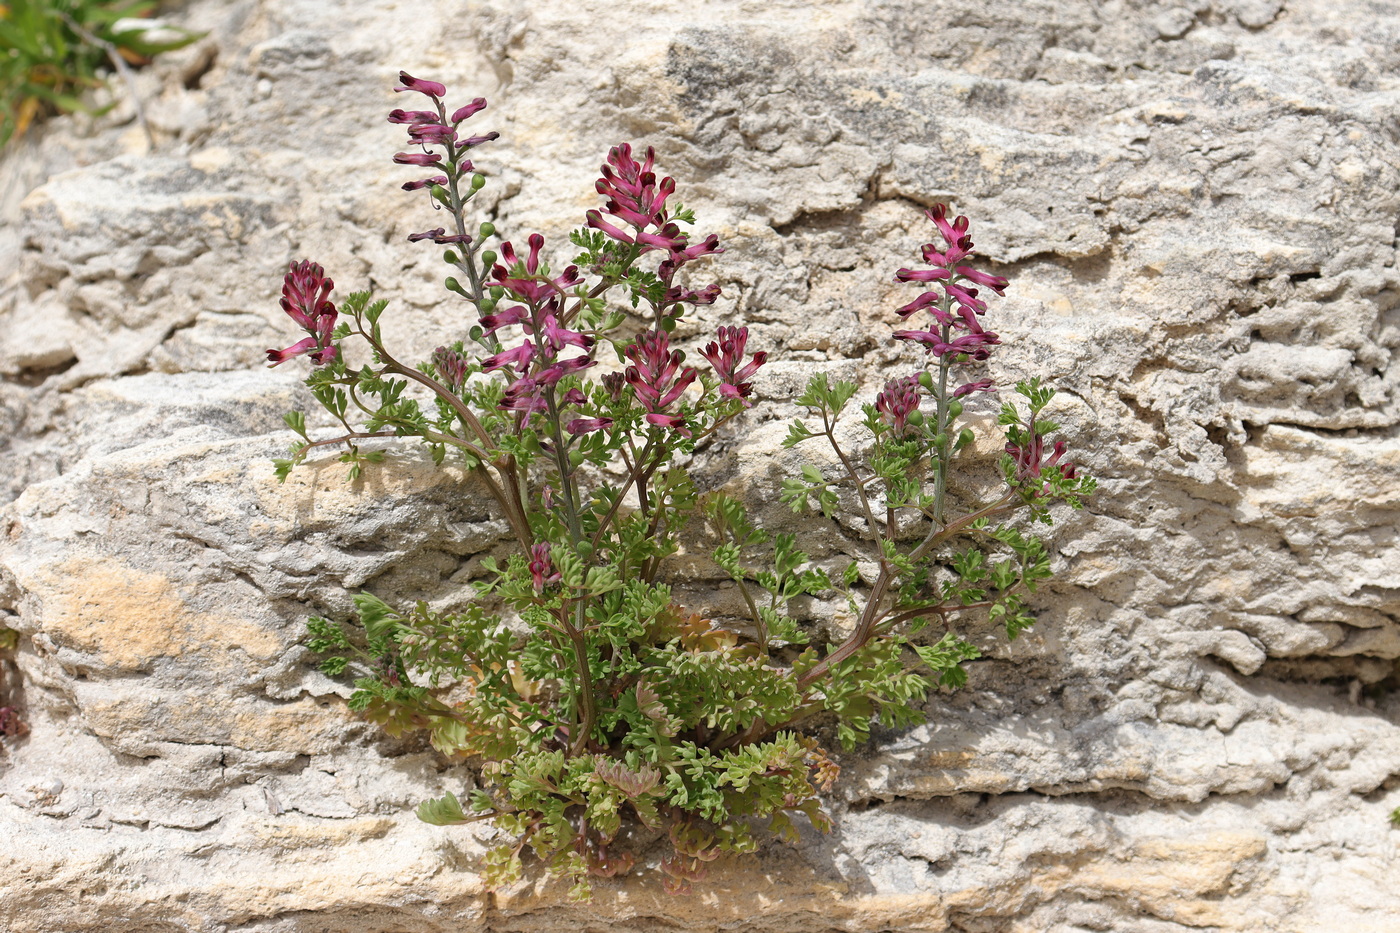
(607, 718)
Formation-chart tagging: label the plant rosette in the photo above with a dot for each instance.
(606, 717)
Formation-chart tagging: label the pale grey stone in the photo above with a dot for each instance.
(1195, 203)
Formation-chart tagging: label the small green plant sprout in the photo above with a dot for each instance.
(617, 728)
(53, 51)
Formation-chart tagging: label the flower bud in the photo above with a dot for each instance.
(478, 182)
(487, 229)
(486, 306)
(955, 408)
(449, 257)
(497, 291)
(488, 258)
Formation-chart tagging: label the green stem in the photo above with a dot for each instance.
(588, 710)
(940, 473)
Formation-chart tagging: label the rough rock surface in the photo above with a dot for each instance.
(1197, 205)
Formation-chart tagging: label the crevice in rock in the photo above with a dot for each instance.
(33, 377)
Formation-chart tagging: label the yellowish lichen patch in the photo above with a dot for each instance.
(128, 617)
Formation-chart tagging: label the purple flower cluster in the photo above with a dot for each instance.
(1030, 455)
(306, 299)
(657, 379)
(897, 402)
(542, 569)
(537, 360)
(451, 368)
(428, 128)
(636, 198)
(727, 358)
(956, 333)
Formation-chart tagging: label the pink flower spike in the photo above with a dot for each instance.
(430, 88)
(653, 375)
(470, 110)
(897, 402)
(952, 232)
(306, 300)
(542, 568)
(726, 357)
(451, 368)
(306, 293)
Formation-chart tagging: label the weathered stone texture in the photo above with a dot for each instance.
(1196, 203)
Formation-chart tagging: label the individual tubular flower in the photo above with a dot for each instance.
(657, 379)
(470, 110)
(306, 300)
(897, 402)
(542, 569)
(424, 183)
(430, 88)
(727, 358)
(587, 425)
(981, 385)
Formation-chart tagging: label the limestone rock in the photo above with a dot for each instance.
(1195, 203)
